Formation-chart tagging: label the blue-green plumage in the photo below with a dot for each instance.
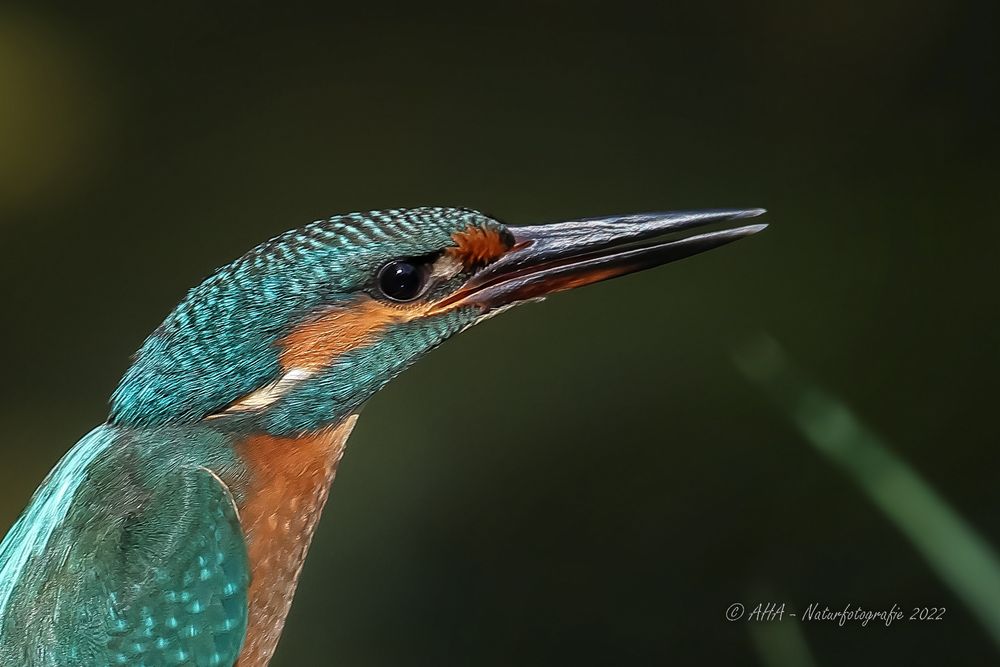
(218, 344)
(129, 554)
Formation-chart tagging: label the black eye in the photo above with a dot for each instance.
(401, 280)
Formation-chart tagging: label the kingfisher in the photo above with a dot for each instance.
(174, 533)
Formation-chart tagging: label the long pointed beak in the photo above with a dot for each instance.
(551, 258)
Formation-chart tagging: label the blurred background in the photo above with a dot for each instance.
(621, 473)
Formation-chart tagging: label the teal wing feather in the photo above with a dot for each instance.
(122, 561)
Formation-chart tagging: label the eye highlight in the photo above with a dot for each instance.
(402, 280)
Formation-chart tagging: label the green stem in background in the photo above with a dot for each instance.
(780, 643)
(954, 550)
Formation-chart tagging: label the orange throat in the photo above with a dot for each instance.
(288, 483)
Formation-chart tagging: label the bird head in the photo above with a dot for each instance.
(303, 329)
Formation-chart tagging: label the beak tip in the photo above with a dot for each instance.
(749, 213)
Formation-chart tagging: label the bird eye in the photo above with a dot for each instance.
(402, 280)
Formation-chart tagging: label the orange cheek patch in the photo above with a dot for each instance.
(316, 343)
(476, 246)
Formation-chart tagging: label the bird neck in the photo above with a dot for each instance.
(279, 493)
(194, 371)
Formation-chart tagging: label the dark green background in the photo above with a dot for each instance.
(588, 481)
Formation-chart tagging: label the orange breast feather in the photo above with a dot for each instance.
(287, 486)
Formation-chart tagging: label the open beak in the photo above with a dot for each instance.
(551, 258)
